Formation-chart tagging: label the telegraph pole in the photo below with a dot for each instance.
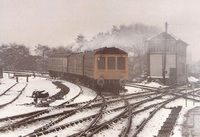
(164, 53)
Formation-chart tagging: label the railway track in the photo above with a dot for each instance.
(7, 90)
(45, 129)
(145, 87)
(127, 113)
(35, 115)
(23, 119)
(144, 122)
(103, 114)
(42, 130)
(11, 94)
(81, 120)
(189, 95)
(27, 119)
(105, 125)
(170, 122)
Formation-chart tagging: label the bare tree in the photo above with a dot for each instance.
(43, 52)
(80, 42)
(61, 49)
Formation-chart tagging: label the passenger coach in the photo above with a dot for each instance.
(104, 69)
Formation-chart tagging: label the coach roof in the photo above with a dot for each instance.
(104, 50)
(60, 55)
(109, 50)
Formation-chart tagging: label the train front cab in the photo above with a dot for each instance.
(111, 71)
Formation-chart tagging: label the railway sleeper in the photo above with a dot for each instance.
(64, 126)
(168, 126)
(69, 124)
(163, 134)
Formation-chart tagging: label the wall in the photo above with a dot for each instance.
(156, 64)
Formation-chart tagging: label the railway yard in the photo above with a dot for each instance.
(102, 69)
(144, 110)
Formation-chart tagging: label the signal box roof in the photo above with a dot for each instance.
(166, 36)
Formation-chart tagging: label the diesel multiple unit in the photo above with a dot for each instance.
(104, 69)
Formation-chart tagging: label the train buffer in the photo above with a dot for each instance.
(21, 75)
(40, 94)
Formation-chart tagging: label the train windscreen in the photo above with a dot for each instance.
(121, 63)
(111, 62)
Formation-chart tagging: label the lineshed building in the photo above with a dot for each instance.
(167, 58)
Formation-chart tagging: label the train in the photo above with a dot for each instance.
(104, 69)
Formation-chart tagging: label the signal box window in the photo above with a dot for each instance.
(101, 62)
(111, 62)
(121, 63)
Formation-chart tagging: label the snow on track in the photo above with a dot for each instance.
(11, 94)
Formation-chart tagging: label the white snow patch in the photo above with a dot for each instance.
(192, 79)
(37, 83)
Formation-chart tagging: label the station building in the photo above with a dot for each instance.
(167, 58)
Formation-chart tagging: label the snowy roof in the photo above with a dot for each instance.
(164, 35)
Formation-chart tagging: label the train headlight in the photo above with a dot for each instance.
(122, 82)
(100, 81)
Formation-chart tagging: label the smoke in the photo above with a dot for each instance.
(124, 37)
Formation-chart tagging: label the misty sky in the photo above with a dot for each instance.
(58, 22)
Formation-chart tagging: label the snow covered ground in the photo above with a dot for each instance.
(193, 79)
(23, 104)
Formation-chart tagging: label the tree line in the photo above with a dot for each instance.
(18, 57)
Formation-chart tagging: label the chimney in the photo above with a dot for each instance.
(166, 25)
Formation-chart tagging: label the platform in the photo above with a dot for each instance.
(191, 125)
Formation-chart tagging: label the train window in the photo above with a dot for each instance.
(111, 62)
(121, 63)
(101, 62)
